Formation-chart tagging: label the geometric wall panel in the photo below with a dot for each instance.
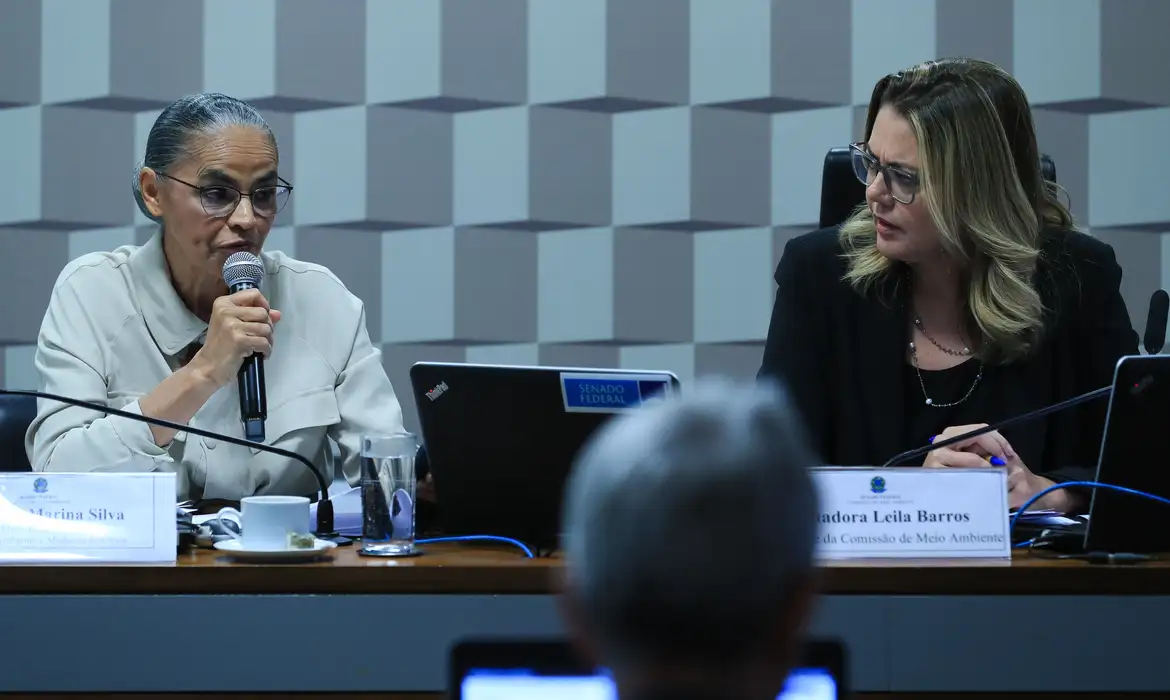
(20, 45)
(458, 272)
(1126, 26)
(1142, 257)
(1135, 141)
(156, 52)
(734, 308)
(982, 29)
(797, 152)
(570, 182)
(888, 36)
(1064, 136)
(1046, 29)
(67, 168)
(594, 287)
(25, 257)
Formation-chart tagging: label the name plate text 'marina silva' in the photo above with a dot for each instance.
(912, 513)
(88, 518)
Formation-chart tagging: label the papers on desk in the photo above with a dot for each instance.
(1048, 518)
(347, 511)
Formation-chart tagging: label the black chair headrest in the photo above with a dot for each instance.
(16, 415)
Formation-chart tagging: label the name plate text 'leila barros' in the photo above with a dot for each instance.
(912, 512)
(85, 518)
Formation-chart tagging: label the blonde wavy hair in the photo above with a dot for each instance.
(982, 184)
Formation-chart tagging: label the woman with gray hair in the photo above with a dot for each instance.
(690, 528)
(153, 329)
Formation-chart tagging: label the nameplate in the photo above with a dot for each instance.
(87, 518)
(912, 513)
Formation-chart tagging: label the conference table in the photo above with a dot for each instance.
(360, 625)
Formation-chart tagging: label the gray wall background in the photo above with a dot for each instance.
(583, 182)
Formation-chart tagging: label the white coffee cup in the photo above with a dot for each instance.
(267, 522)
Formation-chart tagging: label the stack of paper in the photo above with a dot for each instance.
(1047, 518)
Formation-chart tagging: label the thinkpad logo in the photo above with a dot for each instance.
(437, 391)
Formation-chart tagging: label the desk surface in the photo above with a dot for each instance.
(463, 569)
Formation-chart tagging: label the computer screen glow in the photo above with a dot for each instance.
(503, 684)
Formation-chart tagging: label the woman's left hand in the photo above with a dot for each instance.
(1023, 485)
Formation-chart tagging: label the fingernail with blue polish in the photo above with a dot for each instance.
(997, 462)
(932, 437)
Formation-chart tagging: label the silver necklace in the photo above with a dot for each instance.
(965, 352)
(929, 401)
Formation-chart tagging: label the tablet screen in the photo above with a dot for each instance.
(520, 684)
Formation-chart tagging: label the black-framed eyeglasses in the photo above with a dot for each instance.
(222, 200)
(901, 184)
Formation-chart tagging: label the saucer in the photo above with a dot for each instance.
(322, 549)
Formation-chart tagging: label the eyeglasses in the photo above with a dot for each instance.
(222, 200)
(901, 184)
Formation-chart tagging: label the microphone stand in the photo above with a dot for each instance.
(1038, 413)
(325, 527)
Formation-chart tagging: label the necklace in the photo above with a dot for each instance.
(965, 352)
(926, 395)
(921, 383)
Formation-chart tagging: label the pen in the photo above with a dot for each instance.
(995, 461)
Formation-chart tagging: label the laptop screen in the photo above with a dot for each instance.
(519, 684)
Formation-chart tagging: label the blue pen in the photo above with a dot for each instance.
(995, 461)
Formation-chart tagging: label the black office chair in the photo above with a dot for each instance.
(841, 191)
(16, 414)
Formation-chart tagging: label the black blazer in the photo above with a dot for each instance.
(842, 356)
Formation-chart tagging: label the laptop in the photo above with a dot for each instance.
(542, 669)
(500, 439)
(1139, 410)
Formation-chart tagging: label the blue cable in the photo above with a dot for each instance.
(488, 538)
(1083, 484)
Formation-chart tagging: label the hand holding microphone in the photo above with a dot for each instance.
(239, 337)
(241, 325)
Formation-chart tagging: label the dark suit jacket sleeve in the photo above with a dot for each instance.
(796, 351)
(1103, 334)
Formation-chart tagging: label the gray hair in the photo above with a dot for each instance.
(690, 525)
(170, 137)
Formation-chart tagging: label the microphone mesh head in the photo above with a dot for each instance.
(243, 267)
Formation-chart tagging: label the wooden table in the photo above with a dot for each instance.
(464, 569)
(357, 624)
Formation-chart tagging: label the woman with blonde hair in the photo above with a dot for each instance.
(958, 295)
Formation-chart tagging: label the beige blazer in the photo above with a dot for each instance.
(115, 328)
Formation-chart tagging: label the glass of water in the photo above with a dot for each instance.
(388, 491)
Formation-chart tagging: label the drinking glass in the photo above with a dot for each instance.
(388, 491)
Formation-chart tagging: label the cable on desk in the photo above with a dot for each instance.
(1091, 557)
(1083, 484)
(482, 538)
(1108, 557)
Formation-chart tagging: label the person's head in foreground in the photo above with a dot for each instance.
(954, 193)
(690, 528)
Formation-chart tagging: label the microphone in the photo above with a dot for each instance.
(242, 271)
(325, 529)
(1155, 336)
(1038, 413)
